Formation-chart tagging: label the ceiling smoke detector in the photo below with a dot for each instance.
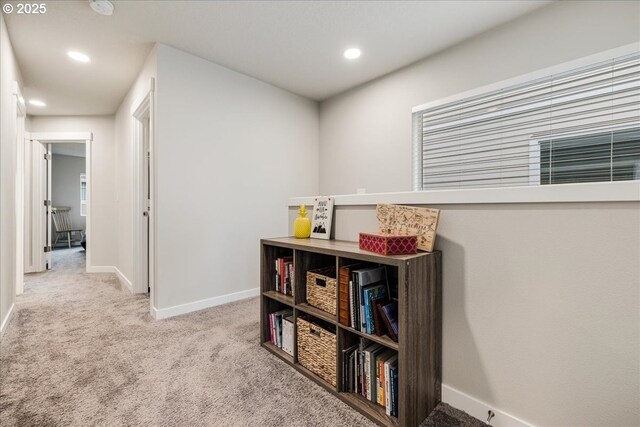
(103, 7)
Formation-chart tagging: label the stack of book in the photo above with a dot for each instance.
(366, 300)
(281, 330)
(284, 275)
(371, 370)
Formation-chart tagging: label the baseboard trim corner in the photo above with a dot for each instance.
(7, 320)
(101, 269)
(176, 310)
(123, 279)
(480, 409)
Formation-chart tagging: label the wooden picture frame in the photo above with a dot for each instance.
(322, 218)
(409, 220)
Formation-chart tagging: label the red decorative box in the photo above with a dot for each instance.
(389, 244)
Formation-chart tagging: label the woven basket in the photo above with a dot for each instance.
(321, 289)
(317, 350)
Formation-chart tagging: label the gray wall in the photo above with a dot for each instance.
(227, 144)
(9, 72)
(65, 188)
(541, 307)
(541, 301)
(372, 124)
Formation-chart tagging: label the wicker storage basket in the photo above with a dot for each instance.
(317, 350)
(321, 289)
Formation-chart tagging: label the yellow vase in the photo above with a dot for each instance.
(302, 224)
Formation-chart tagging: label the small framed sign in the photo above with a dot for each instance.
(409, 220)
(321, 219)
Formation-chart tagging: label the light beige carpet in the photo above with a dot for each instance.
(82, 352)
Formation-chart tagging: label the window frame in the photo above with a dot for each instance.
(597, 187)
(83, 202)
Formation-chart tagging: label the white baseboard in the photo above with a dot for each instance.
(123, 279)
(479, 409)
(177, 310)
(101, 269)
(6, 320)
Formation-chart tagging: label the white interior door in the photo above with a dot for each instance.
(48, 206)
(146, 183)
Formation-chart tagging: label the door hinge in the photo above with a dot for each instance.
(47, 202)
(47, 249)
(47, 156)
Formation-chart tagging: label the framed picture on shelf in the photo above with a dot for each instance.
(322, 217)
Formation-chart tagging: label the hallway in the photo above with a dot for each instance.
(82, 351)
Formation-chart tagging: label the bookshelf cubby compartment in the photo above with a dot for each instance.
(419, 346)
(270, 306)
(270, 256)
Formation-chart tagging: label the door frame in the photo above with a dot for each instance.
(144, 110)
(18, 196)
(64, 137)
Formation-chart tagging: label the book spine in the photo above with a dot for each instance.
(363, 382)
(351, 303)
(362, 313)
(287, 279)
(380, 382)
(394, 392)
(284, 335)
(356, 303)
(378, 391)
(387, 395)
(282, 275)
(365, 311)
(343, 299)
(290, 338)
(291, 279)
(368, 370)
(356, 372)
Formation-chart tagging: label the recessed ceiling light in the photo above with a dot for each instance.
(103, 7)
(80, 57)
(352, 53)
(37, 103)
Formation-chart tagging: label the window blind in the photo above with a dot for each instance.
(582, 125)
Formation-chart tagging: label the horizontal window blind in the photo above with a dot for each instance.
(579, 126)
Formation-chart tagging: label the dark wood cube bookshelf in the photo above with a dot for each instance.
(419, 343)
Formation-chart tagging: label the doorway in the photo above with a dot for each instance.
(55, 213)
(67, 193)
(143, 196)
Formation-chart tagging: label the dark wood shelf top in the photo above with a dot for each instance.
(278, 352)
(340, 248)
(373, 410)
(316, 312)
(277, 296)
(384, 339)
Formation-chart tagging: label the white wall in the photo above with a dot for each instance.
(372, 123)
(104, 249)
(65, 188)
(124, 165)
(230, 151)
(541, 312)
(9, 72)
